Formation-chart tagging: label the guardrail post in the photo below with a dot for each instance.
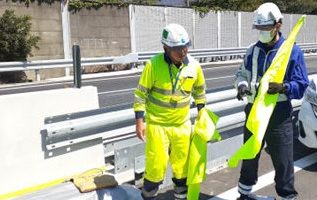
(76, 66)
(38, 75)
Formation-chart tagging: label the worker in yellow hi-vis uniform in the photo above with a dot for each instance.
(267, 55)
(165, 88)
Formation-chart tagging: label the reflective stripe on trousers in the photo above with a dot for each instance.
(279, 139)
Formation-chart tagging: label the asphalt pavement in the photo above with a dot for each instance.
(222, 185)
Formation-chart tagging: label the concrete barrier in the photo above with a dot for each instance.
(25, 165)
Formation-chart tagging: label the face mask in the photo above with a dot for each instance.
(265, 36)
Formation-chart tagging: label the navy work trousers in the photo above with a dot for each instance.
(279, 140)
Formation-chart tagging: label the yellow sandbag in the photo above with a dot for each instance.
(94, 179)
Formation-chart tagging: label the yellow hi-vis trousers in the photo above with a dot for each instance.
(165, 143)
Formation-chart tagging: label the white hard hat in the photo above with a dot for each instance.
(267, 14)
(174, 35)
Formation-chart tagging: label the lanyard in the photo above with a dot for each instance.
(176, 79)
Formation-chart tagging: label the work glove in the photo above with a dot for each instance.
(276, 88)
(200, 106)
(242, 91)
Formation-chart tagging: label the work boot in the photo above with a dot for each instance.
(180, 189)
(180, 192)
(149, 195)
(150, 190)
(254, 197)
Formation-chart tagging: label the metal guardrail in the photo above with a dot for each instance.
(69, 129)
(201, 54)
(63, 63)
(123, 152)
(223, 52)
(74, 128)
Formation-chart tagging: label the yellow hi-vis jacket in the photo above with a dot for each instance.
(164, 91)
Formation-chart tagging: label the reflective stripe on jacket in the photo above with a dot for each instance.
(155, 95)
(257, 61)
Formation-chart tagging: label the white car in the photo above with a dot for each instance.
(307, 116)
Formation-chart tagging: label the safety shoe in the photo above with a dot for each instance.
(149, 195)
(180, 192)
(254, 197)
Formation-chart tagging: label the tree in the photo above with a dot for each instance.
(16, 42)
(306, 6)
(294, 6)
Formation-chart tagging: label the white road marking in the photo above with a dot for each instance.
(131, 89)
(116, 91)
(19, 87)
(268, 179)
(85, 80)
(222, 66)
(107, 78)
(209, 79)
(14, 87)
